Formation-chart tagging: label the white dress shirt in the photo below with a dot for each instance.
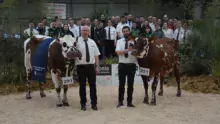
(77, 30)
(168, 33)
(152, 26)
(73, 30)
(28, 32)
(93, 51)
(181, 34)
(113, 33)
(121, 46)
(119, 28)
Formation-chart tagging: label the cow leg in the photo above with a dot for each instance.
(57, 87)
(154, 87)
(161, 83)
(42, 94)
(65, 100)
(145, 82)
(28, 94)
(28, 84)
(177, 76)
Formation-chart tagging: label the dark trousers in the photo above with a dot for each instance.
(87, 72)
(109, 48)
(126, 70)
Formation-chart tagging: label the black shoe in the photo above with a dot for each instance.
(130, 105)
(83, 108)
(120, 104)
(94, 107)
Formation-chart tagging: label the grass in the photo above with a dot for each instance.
(203, 84)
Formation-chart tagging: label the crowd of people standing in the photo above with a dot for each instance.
(105, 32)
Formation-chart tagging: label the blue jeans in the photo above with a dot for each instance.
(102, 51)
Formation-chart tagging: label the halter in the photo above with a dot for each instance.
(145, 51)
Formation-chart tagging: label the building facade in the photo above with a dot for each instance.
(84, 8)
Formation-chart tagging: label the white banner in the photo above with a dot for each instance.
(113, 78)
(55, 9)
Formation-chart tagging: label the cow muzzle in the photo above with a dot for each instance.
(73, 53)
(134, 52)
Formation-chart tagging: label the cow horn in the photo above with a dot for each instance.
(57, 39)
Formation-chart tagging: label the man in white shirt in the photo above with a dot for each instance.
(126, 67)
(111, 37)
(30, 31)
(87, 67)
(78, 28)
(72, 27)
(179, 32)
(120, 26)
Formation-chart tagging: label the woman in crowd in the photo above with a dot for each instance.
(148, 31)
(167, 32)
(66, 31)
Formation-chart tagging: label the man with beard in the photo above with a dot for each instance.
(52, 32)
(120, 26)
(41, 29)
(126, 67)
(129, 21)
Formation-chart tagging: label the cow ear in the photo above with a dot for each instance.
(152, 39)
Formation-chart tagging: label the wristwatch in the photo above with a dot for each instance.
(96, 65)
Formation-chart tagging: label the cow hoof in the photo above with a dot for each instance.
(145, 101)
(152, 103)
(43, 95)
(178, 93)
(160, 93)
(59, 105)
(65, 104)
(28, 96)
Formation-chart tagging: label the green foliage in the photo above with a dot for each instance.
(200, 52)
(97, 14)
(13, 10)
(12, 61)
(110, 61)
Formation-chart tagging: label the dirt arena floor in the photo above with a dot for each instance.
(191, 108)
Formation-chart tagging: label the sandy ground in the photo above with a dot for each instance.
(189, 109)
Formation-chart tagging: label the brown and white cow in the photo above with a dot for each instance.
(61, 54)
(160, 57)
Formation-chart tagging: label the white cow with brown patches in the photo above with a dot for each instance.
(61, 54)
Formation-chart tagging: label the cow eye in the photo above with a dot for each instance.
(64, 44)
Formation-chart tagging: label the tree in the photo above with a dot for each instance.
(14, 10)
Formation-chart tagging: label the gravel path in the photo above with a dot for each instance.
(189, 109)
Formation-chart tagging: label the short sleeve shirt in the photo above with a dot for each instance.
(93, 51)
(121, 46)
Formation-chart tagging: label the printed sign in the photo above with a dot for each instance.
(144, 71)
(55, 9)
(105, 70)
(67, 80)
(104, 80)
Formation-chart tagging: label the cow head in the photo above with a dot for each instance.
(140, 49)
(69, 49)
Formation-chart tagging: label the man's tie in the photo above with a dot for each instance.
(177, 37)
(31, 32)
(109, 34)
(87, 51)
(126, 47)
(79, 30)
